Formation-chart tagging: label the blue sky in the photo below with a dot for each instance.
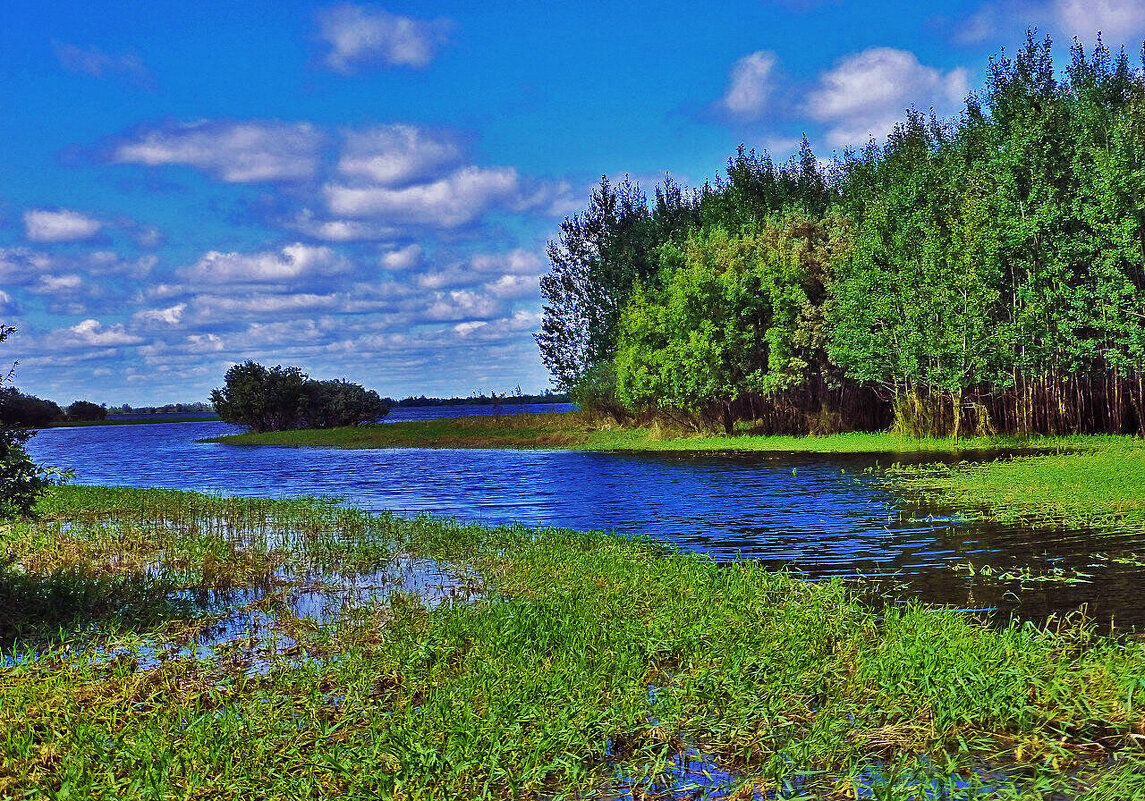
(366, 190)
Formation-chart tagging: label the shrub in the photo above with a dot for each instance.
(283, 398)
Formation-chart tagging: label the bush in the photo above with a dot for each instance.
(283, 398)
(83, 410)
(22, 481)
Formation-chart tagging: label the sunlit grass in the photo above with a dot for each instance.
(579, 430)
(1102, 485)
(590, 654)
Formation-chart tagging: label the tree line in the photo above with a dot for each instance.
(982, 274)
(28, 411)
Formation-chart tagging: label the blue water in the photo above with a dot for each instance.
(825, 515)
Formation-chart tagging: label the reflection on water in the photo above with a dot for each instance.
(824, 515)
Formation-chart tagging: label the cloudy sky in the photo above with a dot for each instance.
(366, 190)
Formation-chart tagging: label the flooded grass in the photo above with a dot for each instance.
(1101, 485)
(378, 657)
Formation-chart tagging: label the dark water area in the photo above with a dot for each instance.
(818, 514)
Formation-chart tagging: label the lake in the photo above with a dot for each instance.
(824, 515)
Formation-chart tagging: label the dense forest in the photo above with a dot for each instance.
(976, 275)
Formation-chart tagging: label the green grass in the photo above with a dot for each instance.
(589, 653)
(578, 430)
(1103, 485)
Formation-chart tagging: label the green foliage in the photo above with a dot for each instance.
(729, 317)
(22, 481)
(83, 410)
(595, 261)
(284, 398)
(986, 273)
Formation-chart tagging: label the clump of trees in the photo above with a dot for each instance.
(980, 274)
(284, 398)
(86, 411)
(27, 411)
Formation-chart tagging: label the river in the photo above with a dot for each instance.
(823, 515)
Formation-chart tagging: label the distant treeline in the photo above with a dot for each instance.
(981, 274)
(199, 407)
(483, 400)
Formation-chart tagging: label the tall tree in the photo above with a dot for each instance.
(595, 260)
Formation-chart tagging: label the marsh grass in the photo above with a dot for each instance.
(591, 665)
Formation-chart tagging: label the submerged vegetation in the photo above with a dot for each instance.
(587, 664)
(967, 277)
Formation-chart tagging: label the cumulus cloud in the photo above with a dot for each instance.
(392, 155)
(361, 37)
(866, 93)
(402, 258)
(172, 315)
(750, 84)
(293, 262)
(236, 152)
(462, 304)
(99, 64)
(513, 286)
(92, 333)
(1120, 21)
(43, 225)
(454, 200)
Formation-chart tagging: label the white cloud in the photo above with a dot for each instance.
(513, 286)
(307, 223)
(448, 202)
(98, 64)
(362, 37)
(402, 258)
(8, 306)
(263, 304)
(750, 84)
(1121, 22)
(237, 152)
(462, 304)
(57, 284)
(392, 155)
(42, 225)
(465, 329)
(93, 333)
(515, 262)
(172, 315)
(865, 94)
(291, 263)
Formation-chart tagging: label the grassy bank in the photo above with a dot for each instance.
(588, 666)
(583, 431)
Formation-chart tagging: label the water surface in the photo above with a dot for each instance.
(823, 514)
